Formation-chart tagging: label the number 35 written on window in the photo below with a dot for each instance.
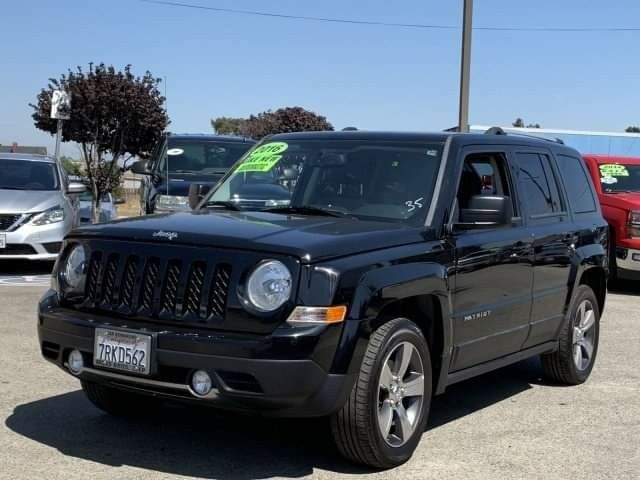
(413, 204)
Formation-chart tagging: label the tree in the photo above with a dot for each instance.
(632, 129)
(71, 166)
(287, 119)
(283, 120)
(519, 123)
(228, 125)
(114, 116)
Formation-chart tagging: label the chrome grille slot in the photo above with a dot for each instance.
(110, 280)
(171, 284)
(193, 292)
(129, 283)
(219, 290)
(149, 283)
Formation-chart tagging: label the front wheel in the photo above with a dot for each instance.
(383, 420)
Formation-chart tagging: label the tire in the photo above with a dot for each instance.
(119, 403)
(562, 365)
(356, 426)
(613, 261)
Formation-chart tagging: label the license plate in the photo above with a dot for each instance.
(120, 350)
(3, 240)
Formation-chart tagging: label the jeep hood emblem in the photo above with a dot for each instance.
(166, 235)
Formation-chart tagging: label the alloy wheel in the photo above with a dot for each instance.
(400, 394)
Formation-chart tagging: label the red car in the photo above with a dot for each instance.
(617, 181)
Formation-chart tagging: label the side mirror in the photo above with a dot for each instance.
(196, 193)
(140, 167)
(485, 211)
(76, 188)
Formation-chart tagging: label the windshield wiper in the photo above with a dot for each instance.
(225, 204)
(307, 210)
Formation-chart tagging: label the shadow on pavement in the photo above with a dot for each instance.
(25, 267)
(624, 287)
(214, 444)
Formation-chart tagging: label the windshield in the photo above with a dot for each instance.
(27, 175)
(387, 181)
(620, 178)
(201, 156)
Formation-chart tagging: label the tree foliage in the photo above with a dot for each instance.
(519, 123)
(228, 125)
(632, 129)
(114, 116)
(283, 120)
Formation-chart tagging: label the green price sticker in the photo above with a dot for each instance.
(613, 170)
(263, 158)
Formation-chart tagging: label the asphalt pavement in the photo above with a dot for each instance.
(509, 424)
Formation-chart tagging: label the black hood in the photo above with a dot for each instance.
(306, 237)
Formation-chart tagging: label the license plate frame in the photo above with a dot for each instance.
(3, 241)
(110, 351)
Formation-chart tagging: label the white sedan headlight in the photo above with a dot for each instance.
(172, 202)
(74, 271)
(269, 286)
(51, 215)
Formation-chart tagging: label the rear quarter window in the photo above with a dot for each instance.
(577, 184)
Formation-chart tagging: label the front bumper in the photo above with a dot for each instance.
(32, 242)
(284, 374)
(628, 263)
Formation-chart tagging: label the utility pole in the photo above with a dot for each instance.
(465, 66)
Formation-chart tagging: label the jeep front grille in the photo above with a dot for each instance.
(173, 290)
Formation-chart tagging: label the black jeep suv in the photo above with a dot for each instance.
(351, 275)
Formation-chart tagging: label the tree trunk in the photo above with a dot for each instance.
(95, 208)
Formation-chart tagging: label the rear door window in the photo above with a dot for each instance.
(538, 184)
(577, 184)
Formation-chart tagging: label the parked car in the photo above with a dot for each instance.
(108, 209)
(617, 181)
(38, 206)
(180, 161)
(402, 263)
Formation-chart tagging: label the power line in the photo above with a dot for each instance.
(388, 24)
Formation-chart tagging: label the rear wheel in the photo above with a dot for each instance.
(578, 342)
(119, 402)
(384, 418)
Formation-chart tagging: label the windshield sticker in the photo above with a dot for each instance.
(432, 153)
(413, 204)
(613, 170)
(175, 151)
(609, 180)
(263, 158)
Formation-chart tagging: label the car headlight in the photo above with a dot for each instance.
(172, 202)
(74, 272)
(51, 215)
(269, 286)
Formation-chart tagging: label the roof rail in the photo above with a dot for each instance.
(500, 131)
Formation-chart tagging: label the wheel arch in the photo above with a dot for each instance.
(417, 291)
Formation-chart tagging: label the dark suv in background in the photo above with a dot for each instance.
(182, 162)
(384, 268)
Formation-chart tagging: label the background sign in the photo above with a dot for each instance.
(60, 105)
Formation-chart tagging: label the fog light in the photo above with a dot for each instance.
(201, 383)
(75, 362)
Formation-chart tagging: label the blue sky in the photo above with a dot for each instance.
(371, 77)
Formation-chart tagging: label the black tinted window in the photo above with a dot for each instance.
(577, 184)
(27, 175)
(539, 188)
(201, 156)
